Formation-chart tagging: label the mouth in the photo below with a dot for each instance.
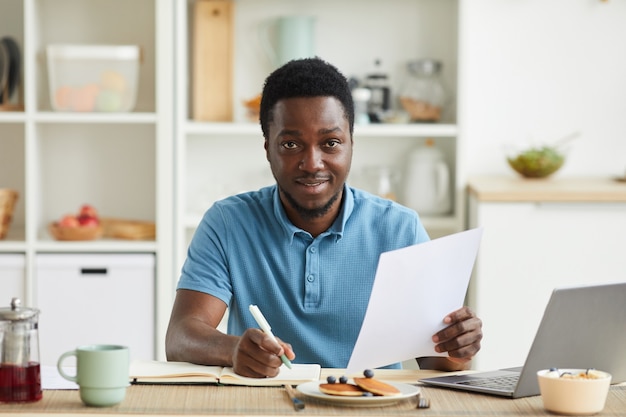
(312, 182)
(312, 185)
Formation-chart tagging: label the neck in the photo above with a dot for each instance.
(314, 226)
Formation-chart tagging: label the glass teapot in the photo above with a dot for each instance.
(20, 372)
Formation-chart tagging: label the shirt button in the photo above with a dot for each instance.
(310, 278)
(313, 249)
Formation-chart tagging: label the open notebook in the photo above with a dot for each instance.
(158, 372)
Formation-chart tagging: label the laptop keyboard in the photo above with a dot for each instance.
(502, 383)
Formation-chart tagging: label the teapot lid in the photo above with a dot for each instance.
(16, 312)
(424, 66)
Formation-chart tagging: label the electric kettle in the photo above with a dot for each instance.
(427, 185)
(294, 38)
(20, 372)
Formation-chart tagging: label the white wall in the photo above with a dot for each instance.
(542, 69)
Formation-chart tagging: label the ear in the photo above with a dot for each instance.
(266, 146)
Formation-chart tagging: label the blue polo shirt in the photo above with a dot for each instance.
(313, 291)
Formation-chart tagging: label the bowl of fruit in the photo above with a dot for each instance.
(84, 225)
(536, 161)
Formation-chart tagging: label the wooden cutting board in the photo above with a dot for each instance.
(212, 61)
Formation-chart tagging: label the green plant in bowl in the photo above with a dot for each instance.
(537, 162)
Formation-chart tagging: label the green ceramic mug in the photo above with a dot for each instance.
(101, 373)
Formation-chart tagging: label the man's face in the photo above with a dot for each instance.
(310, 151)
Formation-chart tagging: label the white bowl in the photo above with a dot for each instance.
(573, 391)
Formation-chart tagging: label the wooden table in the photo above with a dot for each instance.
(162, 400)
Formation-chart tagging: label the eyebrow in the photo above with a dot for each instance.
(290, 132)
(298, 133)
(323, 131)
(333, 130)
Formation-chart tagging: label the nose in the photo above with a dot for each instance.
(312, 160)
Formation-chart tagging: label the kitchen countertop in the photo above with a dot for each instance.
(517, 189)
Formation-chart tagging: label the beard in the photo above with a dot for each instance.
(309, 214)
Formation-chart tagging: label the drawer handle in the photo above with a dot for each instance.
(93, 271)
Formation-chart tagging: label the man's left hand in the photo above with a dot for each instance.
(461, 338)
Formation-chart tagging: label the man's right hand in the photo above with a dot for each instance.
(257, 356)
(192, 336)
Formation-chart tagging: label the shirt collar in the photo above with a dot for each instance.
(336, 229)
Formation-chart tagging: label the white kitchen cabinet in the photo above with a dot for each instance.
(95, 299)
(121, 163)
(11, 278)
(217, 159)
(539, 235)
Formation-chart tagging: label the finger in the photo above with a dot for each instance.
(461, 314)
(464, 353)
(251, 359)
(462, 361)
(464, 345)
(258, 346)
(470, 324)
(265, 342)
(291, 355)
(255, 369)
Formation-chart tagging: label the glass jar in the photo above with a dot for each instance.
(20, 372)
(382, 181)
(423, 95)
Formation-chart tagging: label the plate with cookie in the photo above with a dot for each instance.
(364, 391)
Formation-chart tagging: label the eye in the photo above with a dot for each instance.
(332, 143)
(289, 145)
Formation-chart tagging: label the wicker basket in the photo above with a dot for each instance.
(74, 233)
(128, 229)
(8, 198)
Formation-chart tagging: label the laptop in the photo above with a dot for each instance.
(582, 327)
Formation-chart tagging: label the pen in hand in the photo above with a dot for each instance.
(265, 326)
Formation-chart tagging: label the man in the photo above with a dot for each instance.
(304, 250)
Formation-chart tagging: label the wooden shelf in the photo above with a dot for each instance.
(510, 189)
(117, 118)
(372, 130)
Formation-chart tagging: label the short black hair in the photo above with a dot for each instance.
(307, 77)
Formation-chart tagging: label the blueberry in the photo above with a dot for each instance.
(368, 373)
(331, 379)
(367, 394)
(343, 379)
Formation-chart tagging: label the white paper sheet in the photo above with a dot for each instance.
(414, 289)
(52, 379)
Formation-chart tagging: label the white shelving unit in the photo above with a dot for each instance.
(155, 163)
(119, 163)
(216, 159)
